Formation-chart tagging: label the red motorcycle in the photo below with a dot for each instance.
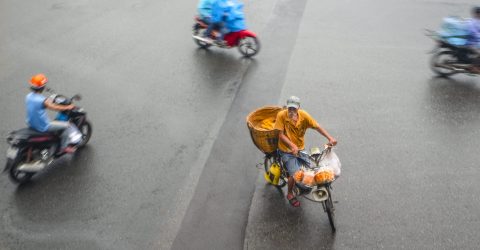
(245, 40)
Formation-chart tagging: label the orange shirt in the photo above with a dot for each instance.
(294, 132)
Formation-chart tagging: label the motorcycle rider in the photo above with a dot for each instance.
(292, 125)
(474, 37)
(37, 118)
(474, 27)
(220, 11)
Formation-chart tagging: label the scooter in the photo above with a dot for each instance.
(245, 40)
(449, 59)
(31, 151)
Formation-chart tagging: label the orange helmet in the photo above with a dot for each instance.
(38, 81)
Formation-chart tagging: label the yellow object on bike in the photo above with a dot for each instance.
(273, 174)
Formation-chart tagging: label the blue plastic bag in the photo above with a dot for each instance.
(454, 30)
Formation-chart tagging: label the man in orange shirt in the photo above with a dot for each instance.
(292, 125)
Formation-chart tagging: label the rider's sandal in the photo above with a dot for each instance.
(293, 201)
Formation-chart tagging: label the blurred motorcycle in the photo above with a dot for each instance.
(245, 40)
(452, 53)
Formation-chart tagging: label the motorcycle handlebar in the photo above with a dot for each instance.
(76, 97)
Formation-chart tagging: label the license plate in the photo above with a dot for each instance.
(12, 153)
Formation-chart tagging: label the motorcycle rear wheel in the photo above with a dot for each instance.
(16, 176)
(248, 46)
(443, 58)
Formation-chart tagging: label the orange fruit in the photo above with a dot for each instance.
(298, 176)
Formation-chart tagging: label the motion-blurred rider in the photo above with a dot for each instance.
(474, 37)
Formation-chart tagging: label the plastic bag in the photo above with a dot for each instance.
(454, 30)
(308, 178)
(330, 160)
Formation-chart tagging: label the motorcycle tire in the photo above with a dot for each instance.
(16, 176)
(329, 209)
(248, 46)
(438, 58)
(86, 130)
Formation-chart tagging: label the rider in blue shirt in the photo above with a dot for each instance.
(474, 28)
(37, 118)
(474, 38)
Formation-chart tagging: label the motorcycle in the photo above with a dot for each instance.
(449, 59)
(277, 175)
(31, 151)
(245, 40)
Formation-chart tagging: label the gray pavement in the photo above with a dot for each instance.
(407, 141)
(171, 164)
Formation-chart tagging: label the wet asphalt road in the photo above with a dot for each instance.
(171, 164)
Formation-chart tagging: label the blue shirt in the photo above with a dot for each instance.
(37, 117)
(474, 30)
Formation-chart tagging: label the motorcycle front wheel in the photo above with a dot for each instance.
(330, 210)
(442, 63)
(86, 130)
(249, 46)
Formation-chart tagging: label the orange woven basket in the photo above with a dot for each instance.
(260, 123)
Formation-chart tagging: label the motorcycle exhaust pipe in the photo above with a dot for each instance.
(32, 167)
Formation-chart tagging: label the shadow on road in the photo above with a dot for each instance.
(284, 226)
(48, 196)
(454, 101)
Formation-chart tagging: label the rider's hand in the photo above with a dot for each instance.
(332, 141)
(70, 107)
(294, 149)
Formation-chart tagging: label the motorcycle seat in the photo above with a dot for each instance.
(28, 132)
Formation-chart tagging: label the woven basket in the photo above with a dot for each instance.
(265, 138)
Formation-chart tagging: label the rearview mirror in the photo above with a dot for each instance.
(77, 97)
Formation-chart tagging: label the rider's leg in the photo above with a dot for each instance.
(211, 26)
(66, 130)
(292, 164)
(221, 31)
(291, 182)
